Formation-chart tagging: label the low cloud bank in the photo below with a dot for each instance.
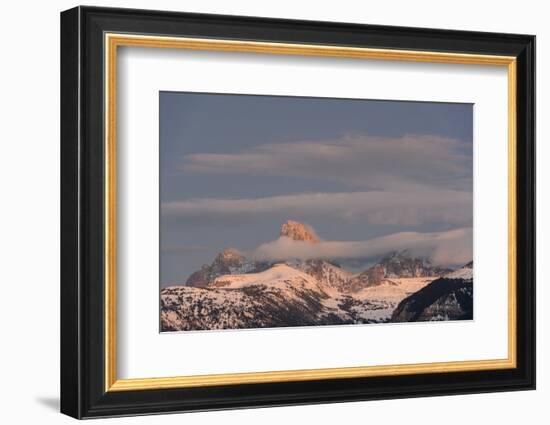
(449, 248)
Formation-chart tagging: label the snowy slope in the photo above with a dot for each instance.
(447, 298)
(277, 297)
(465, 273)
(278, 275)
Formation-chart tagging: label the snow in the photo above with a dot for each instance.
(395, 289)
(380, 301)
(278, 275)
(375, 303)
(372, 304)
(465, 273)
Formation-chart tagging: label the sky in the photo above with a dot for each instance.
(368, 176)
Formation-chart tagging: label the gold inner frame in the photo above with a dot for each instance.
(113, 41)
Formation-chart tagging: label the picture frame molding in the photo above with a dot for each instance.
(89, 41)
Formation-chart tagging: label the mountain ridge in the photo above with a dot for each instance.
(235, 292)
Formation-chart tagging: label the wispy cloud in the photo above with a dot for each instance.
(408, 208)
(183, 249)
(452, 247)
(375, 163)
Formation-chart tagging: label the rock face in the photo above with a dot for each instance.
(228, 261)
(234, 292)
(298, 231)
(401, 264)
(395, 265)
(327, 273)
(373, 276)
(446, 298)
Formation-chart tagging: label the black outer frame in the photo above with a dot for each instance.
(82, 220)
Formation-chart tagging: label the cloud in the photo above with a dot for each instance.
(453, 247)
(183, 249)
(409, 208)
(375, 163)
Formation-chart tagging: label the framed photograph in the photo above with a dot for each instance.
(261, 212)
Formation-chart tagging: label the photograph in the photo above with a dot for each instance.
(287, 211)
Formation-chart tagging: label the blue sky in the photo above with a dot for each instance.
(235, 167)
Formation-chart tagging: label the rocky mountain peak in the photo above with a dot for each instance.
(230, 257)
(400, 259)
(298, 231)
(225, 262)
(398, 256)
(397, 264)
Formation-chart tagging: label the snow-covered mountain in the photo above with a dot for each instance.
(235, 292)
(466, 272)
(447, 298)
(279, 275)
(277, 297)
(396, 265)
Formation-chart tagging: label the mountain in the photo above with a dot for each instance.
(373, 276)
(234, 292)
(280, 296)
(447, 298)
(402, 264)
(298, 232)
(280, 275)
(327, 273)
(228, 261)
(277, 297)
(466, 272)
(395, 265)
